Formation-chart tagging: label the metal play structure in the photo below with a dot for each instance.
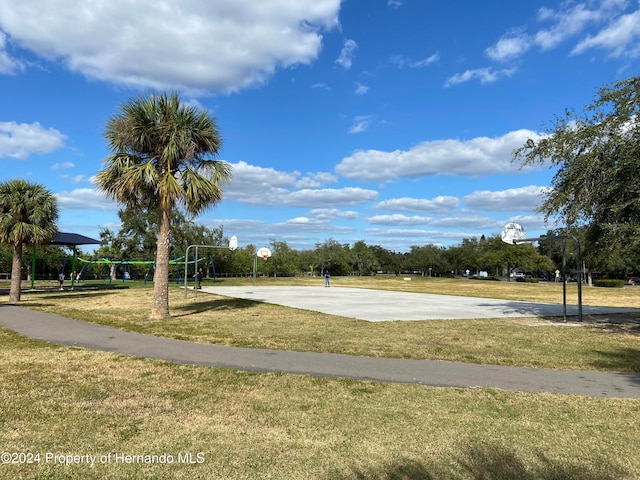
(233, 245)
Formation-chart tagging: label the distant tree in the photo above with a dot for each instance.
(331, 255)
(284, 260)
(597, 157)
(363, 259)
(428, 259)
(161, 153)
(388, 260)
(137, 237)
(28, 215)
(494, 255)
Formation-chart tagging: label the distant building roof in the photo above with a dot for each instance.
(62, 238)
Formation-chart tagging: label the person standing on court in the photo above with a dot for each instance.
(327, 276)
(198, 276)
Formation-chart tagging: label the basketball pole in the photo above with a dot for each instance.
(233, 245)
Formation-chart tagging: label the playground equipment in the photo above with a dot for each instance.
(233, 245)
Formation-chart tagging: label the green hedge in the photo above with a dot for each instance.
(491, 278)
(609, 283)
(527, 280)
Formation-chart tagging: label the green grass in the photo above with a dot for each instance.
(69, 401)
(529, 342)
(244, 425)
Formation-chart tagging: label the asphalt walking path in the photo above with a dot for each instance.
(64, 331)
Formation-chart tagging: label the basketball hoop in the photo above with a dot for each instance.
(513, 233)
(264, 252)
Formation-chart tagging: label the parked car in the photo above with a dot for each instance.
(633, 281)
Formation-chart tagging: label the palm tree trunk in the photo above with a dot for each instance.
(160, 305)
(16, 273)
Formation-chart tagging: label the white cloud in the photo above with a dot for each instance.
(483, 75)
(530, 222)
(361, 89)
(253, 185)
(408, 237)
(78, 179)
(399, 220)
(199, 46)
(567, 23)
(510, 200)
(347, 54)
(74, 179)
(395, 3)
(440, 204)
(321, 86)
(315, 180)
(329, 197)
(402, 61)
(331, 213)
(617, 38)
(572, 19)
(20, 140)
(85, 199)
(62, 166)
(509, 47)
(475, 222)
(8, 65)
(247, 178)
(235, 225)
(479, 156)
(426, 61)
(308, 225)
(361, 123)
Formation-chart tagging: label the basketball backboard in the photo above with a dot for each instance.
(264, 252)
(513, 233)
(233, 243)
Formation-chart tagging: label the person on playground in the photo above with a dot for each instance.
(61, 280)
(198, 276)
(327, 276)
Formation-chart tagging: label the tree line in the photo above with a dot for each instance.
(489, 254)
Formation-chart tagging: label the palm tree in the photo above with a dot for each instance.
(162, 152)
(28, 214)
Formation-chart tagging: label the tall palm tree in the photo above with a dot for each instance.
(162, 151)
(28, 214)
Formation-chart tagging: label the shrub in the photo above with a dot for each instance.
(609, 283)
(527, 280)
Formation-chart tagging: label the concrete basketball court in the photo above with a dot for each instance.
(383, 305)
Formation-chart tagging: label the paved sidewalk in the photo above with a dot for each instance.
(64, 331)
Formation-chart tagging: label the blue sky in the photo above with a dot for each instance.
(388, 121)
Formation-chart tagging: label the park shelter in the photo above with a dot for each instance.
(67, 240)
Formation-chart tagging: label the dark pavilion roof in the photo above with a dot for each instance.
(62, 238)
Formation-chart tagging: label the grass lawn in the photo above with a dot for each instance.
(241, 425)
(244, 425)
(530, 342)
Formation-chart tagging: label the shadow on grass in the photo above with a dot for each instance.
(215, 305)
(42, 302)
(491, 462)
(621, 360)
